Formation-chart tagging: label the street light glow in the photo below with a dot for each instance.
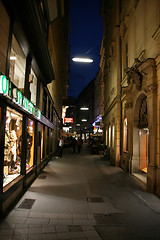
(84, 120)
(84, 108)
(86, 60)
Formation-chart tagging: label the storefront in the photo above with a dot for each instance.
(24, 134)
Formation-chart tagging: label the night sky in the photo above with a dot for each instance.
(85, 35)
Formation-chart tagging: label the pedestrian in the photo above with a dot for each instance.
(74, 142)
(60, 145)
(79, 145)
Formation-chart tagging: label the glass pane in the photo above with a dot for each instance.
(42, 143)
(30, 144)
(17, 65)
(33, 87)
(12, 146)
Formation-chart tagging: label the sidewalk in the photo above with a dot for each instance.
(81, 196)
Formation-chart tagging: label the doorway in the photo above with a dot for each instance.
(143, 149)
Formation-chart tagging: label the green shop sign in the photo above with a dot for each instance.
(9, 90)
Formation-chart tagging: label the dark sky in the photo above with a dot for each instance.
(85, 35)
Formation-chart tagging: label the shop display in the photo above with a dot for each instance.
(30, 144)
(12, 158)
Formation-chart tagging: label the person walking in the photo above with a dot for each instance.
(74, 142)
(60, 151)
(79, 145)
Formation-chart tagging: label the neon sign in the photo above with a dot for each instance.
(9, 90)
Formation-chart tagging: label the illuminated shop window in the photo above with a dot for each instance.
(113, 136)
(30, 144)
(125, 136)
(17, 65)
(12, 146)
(42, 137)
(109, 129)
(106, 136)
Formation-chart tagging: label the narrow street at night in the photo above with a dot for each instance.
(81, 196)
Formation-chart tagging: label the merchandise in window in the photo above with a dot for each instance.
(30, 144)
(12, 146)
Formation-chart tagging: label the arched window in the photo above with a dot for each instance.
(143, 120)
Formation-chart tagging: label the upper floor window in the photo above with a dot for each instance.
(44, 105)
(33, 87)
(126, 55)
(17, 65)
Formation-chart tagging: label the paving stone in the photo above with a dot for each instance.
(61, 229)
(66, 235)
(6, 232)
(60, 221)
(37, 221)
(48, 229)
(75, 228)
(65, 216)
(6, 237)
(34, 230)
(49, 236)
(21, 225)
(36, 215)
(14, 219)
(19, 237)
(7, 225)
(22, 231)
(88, 228)
(34, 237)
(83, 222)
(80, 216)
(36, 225)
(77, 234)
(50, 215)
(91, 233)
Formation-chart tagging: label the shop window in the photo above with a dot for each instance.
(33, 87)
(30, 144)
(17, 65)
(109, 142)
(125, 136)
(113, 136)
(106, 136)
(42, 139)
(12, 146)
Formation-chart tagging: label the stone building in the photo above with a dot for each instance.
(131, 87)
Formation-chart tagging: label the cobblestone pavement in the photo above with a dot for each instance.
(81, 196)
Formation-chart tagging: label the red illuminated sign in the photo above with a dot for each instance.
(68, 120)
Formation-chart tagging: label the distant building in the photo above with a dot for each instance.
(85, 110)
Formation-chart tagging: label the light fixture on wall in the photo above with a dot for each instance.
(13, 58)
(84, 108)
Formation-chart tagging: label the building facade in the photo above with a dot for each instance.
(30, 117)
(131, 113)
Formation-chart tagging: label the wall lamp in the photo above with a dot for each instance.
(84, 108)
